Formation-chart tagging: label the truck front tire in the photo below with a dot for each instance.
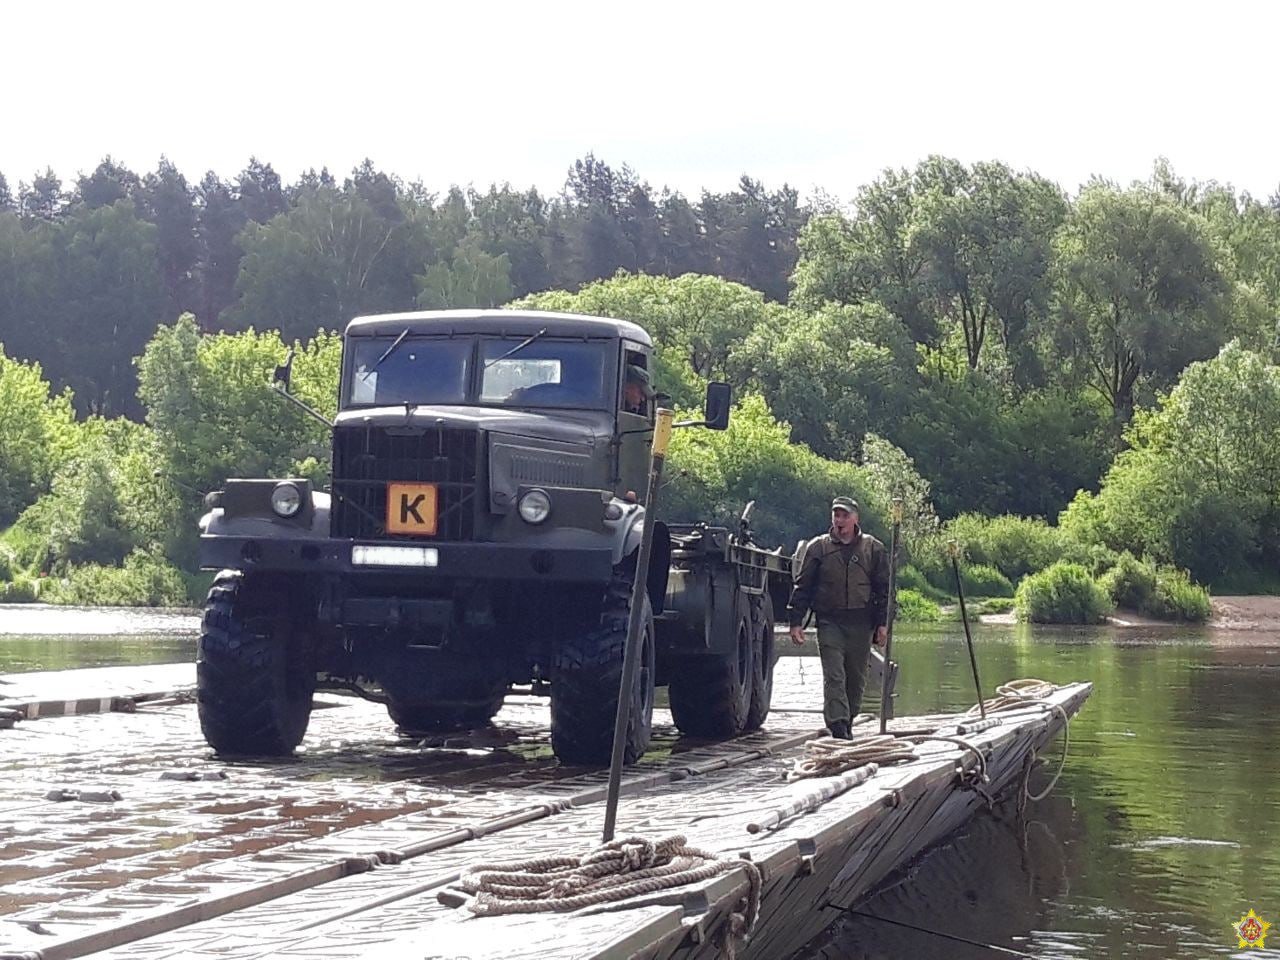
(585, 680)
(253, 680)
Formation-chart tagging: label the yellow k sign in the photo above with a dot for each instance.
(412, 509)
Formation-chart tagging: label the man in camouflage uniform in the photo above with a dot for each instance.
(844, 580)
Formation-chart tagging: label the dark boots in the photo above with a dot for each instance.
(840, 729)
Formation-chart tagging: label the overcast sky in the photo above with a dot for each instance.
(690, 94)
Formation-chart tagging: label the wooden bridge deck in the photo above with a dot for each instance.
(122, 836)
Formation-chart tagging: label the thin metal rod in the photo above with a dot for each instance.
(968, 637)
(631, 653)
(934, 933)
(886, 675)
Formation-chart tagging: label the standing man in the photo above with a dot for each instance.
(844, 580)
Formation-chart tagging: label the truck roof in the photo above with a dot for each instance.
(513, 322)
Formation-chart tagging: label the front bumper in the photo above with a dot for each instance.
(475, 561)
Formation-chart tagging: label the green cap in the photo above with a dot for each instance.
(845, 503)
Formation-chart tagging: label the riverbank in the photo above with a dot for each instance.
(1253, 613)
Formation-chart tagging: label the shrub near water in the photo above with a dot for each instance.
(909, 578)
(1177, 598)
(143, 581)
(19, 590)
(1063, 593)
(985, 581)
(1013, 545)
(1161, 592)
(915, 607)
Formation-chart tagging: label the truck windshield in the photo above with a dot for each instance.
(420, 370)
(543, 373)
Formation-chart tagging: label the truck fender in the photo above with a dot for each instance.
(216, 523)
(628, 544)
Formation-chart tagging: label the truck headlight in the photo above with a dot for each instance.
(535, 506)
(286, 500)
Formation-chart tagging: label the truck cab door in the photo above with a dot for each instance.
(635, 421)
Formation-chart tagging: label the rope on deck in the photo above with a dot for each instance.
(613, 872)
(827, 756)
(1018, 695)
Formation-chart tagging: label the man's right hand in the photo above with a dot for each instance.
(797, 636)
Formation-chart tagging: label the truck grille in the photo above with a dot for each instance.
(366, 459)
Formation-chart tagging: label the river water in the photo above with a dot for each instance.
(1163, 831)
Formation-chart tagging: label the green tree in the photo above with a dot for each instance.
(1199, 486)
(988, 235)
(43, 198)
(835, 374)
(872, 257)
(209, 400)
(219, 219)
(110, 299)
(169, 202)
(472, 278)
(320, 264)
(1140, 291)
(110, 182)
(35, 435)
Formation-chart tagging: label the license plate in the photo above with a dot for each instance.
(411, 509)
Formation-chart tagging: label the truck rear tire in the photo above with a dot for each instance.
(253, 678)
(711, 693)
(585, 679)
(448, 694)
(762, 665)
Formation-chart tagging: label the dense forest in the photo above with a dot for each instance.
(1087, 381)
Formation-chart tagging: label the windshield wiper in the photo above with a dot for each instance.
(386, 353)
(516, 349)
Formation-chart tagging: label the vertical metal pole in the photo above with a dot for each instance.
(954, 549)
(887, 673)
(631, 653)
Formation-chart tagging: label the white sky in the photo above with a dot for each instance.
(690, 94)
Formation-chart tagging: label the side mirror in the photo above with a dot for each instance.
(284, 372)
(719, 398)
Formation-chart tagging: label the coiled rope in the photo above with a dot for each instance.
(827, 756)
(614, 871)
(1018, 695)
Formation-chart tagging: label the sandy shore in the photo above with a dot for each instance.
(1229, 613)
(1246, 613)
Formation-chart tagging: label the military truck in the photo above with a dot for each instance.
(481, 530)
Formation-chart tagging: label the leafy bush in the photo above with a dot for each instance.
(1161, 592)
(1176, 597)
(1131, 583)
(143, 581)
(713, 474)
(1062, 593)
(34, 431)
(8, 562)
(104, 502)
(1013, 545)
(984, 581)
(910, 578)
(19, 590)
(915, 607)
